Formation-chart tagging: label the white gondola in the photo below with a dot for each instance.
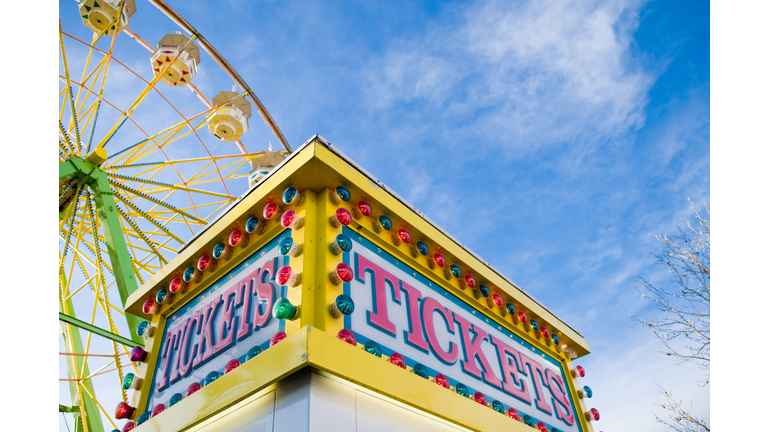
(186, 53)
(230, 122)
(100, 15)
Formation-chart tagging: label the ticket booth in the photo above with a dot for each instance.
(322, 301)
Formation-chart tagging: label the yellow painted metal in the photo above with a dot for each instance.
(260, 373)
(321, 351)
(311, 246)
(266, 192)
(315, 171)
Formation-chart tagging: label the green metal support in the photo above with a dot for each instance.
(90, 175)
(75, 363)
(97, 181)
(97, 330)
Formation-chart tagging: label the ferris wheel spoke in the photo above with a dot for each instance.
(69, 88)
(167, 186)
(141, 234)
(101, 408)
(70, 146)
(155, 200)
(148, 217)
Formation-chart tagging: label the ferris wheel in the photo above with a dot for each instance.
(156, 139)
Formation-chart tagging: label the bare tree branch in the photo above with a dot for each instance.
(684, 307)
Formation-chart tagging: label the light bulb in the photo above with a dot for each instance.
(342, 306)
(231, 365)
(347, 336)
(150, 307)
(237, 238)
(291, 220)
(341, 244)
(421, 370)
(340, 217)
(442, 381)
(222, 251)
(362, 209)
(195, 386)
(397, 359)
(382, 223)
(124, 411)
(206, 263)
(191, 274)
(286, 276)
(254, 225)
(291, 196)
(289, 247)
(211, 377)
(138, 354)
(342, 273)
(177, 286)
(158, 409)
(402, 236)
(284, 309)
(253, 352)
(272, 211)
(277, 337)
(372, 347)
(592, 414)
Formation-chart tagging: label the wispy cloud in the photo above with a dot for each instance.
(531, 74)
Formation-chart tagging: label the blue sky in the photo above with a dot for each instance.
(549, 137)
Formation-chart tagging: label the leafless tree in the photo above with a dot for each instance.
(683, 325)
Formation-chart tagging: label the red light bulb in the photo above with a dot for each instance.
(205, 262)
(150, 307)
(124, 411)
(480, 398)
(498, 300)
(439, 260)
(470, 280)
(177, 285)
(128, 426)
(195, 386)
(231, 365)
(512, 413)
(523, 317)
(347, 336)
(340, 217)
(362, 209)
(397, 359)
(442, 381)
(342, 273)
(277, 337)
(578, 372)
(158, 409)
(272, 211)
(403, 236)
(545, 332)
(290, 220)
(237, 238)
(286, 276)
(541, 427)
(592, 414)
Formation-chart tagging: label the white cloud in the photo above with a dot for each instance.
(545, 71)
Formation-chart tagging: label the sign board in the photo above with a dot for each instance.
(221, 323)
(405, 312)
